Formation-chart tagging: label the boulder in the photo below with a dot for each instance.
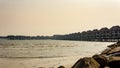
(86, 62)
(61, 67)
(109, 58)
(114, 45)
(105, 52)
(102, 60)
(112, 48)
(114, 64)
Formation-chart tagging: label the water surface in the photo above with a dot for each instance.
(49, 48)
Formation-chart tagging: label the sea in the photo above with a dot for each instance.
(47, 51)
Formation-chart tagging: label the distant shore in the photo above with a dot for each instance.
(104, 35)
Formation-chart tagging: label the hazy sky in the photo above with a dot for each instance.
(48, 17)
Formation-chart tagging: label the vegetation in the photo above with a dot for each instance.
(104, 34)
(12, 37)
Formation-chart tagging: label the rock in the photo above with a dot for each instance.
(114, 58)
(86, 62)
(114, 45)
(109, 58)
(112, 48)
(114, 64)
(61, 67)
(102, 60)
(105, 52)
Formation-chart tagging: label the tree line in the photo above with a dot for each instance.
(104, 34)
(21, 37)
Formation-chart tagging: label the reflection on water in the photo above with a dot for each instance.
(49, 48)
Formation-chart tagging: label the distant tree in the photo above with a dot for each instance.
(104, 33)
(115, 32)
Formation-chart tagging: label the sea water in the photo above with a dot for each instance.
(49, 48)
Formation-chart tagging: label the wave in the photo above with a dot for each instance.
(36, 57)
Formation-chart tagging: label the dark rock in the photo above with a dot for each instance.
(102, 60)
(112, 48)
(114, 45)
(86, 62)
(106, 51)
(61, 67)
(114, 64)
(109, 58)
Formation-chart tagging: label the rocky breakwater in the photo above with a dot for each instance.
(109, 58)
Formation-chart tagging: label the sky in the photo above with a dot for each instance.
(49, 17)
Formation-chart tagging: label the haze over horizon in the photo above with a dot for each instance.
(49, 17)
